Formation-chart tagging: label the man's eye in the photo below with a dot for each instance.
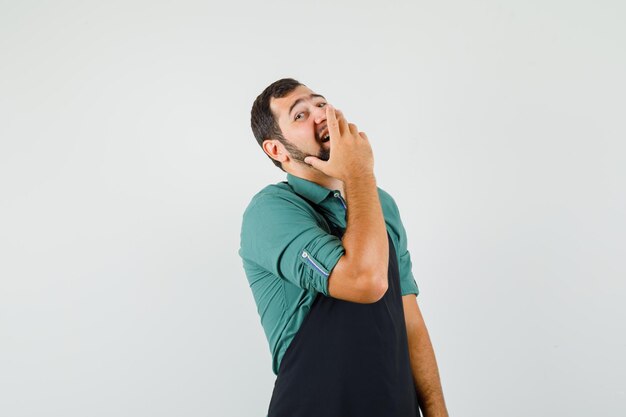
(298, 116)
(322, 104)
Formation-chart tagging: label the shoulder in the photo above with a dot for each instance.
(391, 215)
(388, 204)
(277, 201)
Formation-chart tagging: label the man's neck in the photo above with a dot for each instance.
(316, 176)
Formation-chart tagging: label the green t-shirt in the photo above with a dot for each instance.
(288, 253)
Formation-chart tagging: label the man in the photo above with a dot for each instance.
(325, 254)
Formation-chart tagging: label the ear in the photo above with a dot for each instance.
(275, 150)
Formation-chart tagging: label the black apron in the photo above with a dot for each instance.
(349, 359)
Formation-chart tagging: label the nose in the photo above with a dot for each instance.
(320, 114)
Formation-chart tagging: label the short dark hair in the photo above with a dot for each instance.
(264, 124)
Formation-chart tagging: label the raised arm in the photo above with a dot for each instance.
(360, 275)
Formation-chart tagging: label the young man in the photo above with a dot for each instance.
(325, 254)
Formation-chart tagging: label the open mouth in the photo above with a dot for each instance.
(324, 134)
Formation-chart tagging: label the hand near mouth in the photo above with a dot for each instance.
(351, 155)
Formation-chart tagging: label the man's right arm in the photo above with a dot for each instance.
(360, 275)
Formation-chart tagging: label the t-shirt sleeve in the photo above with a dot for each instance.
(287, 240)
(405, 266)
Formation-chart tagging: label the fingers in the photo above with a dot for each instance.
(343, 123)
(314, 162)
(363, 135)
(333, 124)
(337, 123)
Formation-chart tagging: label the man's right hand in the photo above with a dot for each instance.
(351, 154)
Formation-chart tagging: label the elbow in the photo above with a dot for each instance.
(376, 288)
(363, 286)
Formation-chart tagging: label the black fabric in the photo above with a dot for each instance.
(349, 359)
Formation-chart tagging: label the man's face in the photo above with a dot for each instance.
(301, 117)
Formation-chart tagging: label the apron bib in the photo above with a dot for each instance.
(349, 359)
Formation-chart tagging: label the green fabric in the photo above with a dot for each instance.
(288, 253)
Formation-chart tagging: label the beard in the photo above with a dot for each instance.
(298, 155)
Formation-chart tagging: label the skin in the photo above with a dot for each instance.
(301, 128)
(349, 165)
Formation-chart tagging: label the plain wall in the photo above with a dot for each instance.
(127, 159)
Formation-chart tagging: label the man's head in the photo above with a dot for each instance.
(289, 123)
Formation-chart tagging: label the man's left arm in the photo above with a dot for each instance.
(422, 356)
(423, 362)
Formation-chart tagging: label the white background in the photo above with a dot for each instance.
(127, 159)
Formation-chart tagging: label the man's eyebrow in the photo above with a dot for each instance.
(298, 101)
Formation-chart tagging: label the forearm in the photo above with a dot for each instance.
(365, 239)
(425, 371)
